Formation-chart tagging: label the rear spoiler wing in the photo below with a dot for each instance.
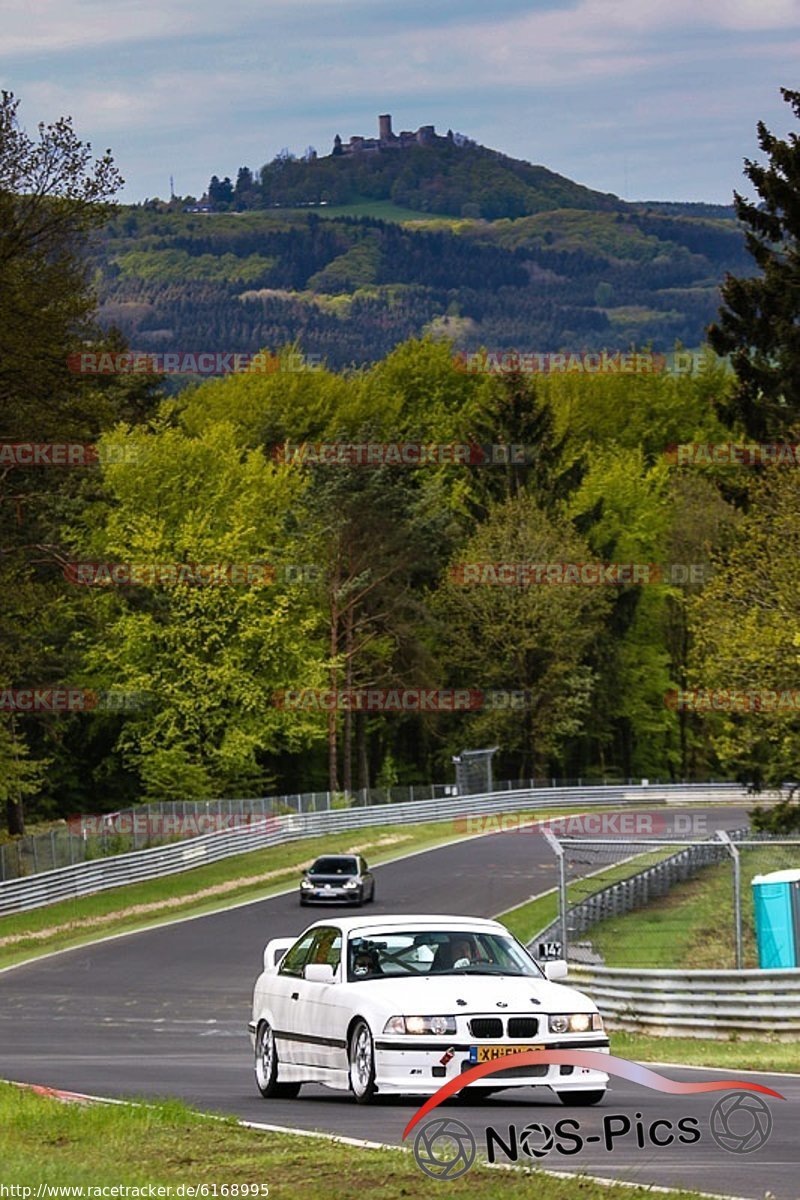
(274, 952)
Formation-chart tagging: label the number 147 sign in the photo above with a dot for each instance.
(550, 950)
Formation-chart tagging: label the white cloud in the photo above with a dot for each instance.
(201, 85)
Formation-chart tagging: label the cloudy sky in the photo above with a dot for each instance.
(651, 99)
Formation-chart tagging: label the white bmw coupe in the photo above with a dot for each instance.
(400, 1004)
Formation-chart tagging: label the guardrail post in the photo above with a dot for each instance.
(724, 837)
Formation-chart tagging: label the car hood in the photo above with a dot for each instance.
(431, 994)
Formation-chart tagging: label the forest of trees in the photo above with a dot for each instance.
(353, 289)
(342, 577)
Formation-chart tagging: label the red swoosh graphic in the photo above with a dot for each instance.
(608, 1063)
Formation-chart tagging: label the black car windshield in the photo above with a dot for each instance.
(334, 866)
(389, 954)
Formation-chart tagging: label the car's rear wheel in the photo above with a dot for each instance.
(266, 1066)
(361, 1058)
(581, 1099)
(372, 894)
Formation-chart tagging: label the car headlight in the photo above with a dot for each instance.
(351, 883)
(574, 1022)
(306, 883)
(437, 1025)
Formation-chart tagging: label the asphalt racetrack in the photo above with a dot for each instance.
(164, 1013)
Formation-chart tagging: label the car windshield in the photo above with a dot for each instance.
(334, 866)
(389, 954)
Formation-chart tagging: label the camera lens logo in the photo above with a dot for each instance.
(536, 1140)
(740, 1123)
(444, 1148)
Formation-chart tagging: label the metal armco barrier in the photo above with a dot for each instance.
(704, 1004)
(82, 879)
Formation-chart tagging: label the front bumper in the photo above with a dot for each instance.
(400, 1068)
(331, 895)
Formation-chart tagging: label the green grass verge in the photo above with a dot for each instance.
(43, 1141)
(527, 919)
(244, 877)
(742, 1054)
(693, 926)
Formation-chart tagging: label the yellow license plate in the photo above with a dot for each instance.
(482, 1054)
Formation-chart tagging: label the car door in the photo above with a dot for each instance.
(284, 998)
(317, 1044)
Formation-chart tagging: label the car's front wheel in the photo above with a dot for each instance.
(266, 1065)
(362, 1063)
(581, 1099)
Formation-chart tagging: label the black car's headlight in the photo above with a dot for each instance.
(350, 883)
(306, 883)
(574, 1022)
(436, 1025)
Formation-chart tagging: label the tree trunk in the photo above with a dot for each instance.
(15, 817)
(361, 750)
(347, 749)
(333, 761)
(683, 716)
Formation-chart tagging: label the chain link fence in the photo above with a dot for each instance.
(87, 837)
(657, 903)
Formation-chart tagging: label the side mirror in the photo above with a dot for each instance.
(319, 973)
(555, 968)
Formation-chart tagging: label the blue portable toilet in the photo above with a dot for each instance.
(776, 898)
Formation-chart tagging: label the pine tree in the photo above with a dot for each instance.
(759, 325)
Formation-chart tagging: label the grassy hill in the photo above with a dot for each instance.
(458, 180)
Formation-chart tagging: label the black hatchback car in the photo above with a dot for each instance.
(337, 879)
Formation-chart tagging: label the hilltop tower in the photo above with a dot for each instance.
(385, 127)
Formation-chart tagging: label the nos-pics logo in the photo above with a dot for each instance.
(445, 1148)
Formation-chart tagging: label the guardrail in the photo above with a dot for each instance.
(702, 1004)
(81, 879)
(82, 838)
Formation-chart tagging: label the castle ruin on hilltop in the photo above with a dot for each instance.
(387, 140)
